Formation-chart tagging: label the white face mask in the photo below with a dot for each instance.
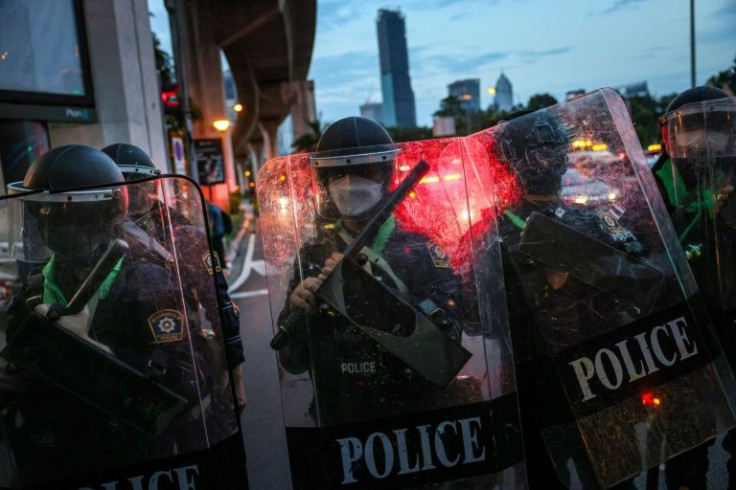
(355, 195)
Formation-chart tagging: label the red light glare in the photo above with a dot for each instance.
(648, 398)
(170, 98)
(457, 207)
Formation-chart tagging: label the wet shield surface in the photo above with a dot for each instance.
(617, 362)
(112, 366)
(395, 365)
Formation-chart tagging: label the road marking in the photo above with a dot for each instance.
(248, 294)
(247, 265)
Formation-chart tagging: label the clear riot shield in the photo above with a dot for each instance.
(112, 365)
(396, 372)
(699, 183)
(617, 364)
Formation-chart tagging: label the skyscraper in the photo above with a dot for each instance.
(504, 99)
(467, 92)
(398, 97)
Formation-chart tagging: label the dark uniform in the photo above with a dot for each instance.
(697, 188)
(149, 216)
(550, 308)
(210, 322)
(139, 319)
(197, 266)
(119, 386)
(355, 378)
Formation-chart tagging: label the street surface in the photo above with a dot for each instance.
(263, 426)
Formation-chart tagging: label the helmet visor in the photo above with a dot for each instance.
(702, 130)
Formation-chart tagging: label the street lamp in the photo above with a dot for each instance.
(221, 125)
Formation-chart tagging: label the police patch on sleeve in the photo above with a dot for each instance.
(166, 326)
(207, 261)
(439, 257)
(211, 263)
(609, 224)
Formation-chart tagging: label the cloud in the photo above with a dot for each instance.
(351, 62)
(417, 5)
(728, 10)
(462, 16)
(346, 79)
(531, 57)
(721, 29)
(458, 64)
(617, 6)
(331, 15)
(424, 56)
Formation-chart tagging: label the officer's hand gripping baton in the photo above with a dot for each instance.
(353, 249)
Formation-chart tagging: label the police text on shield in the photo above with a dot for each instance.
(391, 454)
(659, 347)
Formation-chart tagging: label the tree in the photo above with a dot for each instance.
(644, 113)
(490, 117)
(449, 107)
(540, 101)
(307, 142)
(167, 81)
(726, 78)
(465, 121)
(410, 134)
(164, 65)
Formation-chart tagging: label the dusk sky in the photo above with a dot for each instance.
(540, 45)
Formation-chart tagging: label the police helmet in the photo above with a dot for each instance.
(132, 161)
(71, 192)
(61, 170)
(535, 145)
(361, 149)
(700, 123)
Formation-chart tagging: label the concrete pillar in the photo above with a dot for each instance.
(207, 89)
(269, 130)
(302, 108)
(126, 87)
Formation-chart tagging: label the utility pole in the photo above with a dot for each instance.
(176, 24)
(692, 43)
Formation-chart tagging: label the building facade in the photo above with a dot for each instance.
(77, 72)
(639, 89)
(373, 111)
(398, 97)
(467, 92)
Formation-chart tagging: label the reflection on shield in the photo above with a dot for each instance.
(393, 354)
(614, 349)
(105, 368)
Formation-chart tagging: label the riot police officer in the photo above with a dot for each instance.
(548, 306)
(354, 377)
(696, 175)
(145, 214)
(133, 323)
